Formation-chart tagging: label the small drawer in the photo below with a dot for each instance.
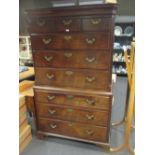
(69, 113)
(71, 41)
(42, 25)
(72, 129)
(72, 59)
(68, 24)
(77, 78)
(92, 102)
(96, 24)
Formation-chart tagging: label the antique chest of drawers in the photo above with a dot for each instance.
(72, 52)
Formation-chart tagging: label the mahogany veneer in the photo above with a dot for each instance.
(72, 51)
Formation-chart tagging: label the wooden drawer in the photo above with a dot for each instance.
(96, 24)
(73, 129)
(68, 24)
(77, 78)
(42, 25)
(72, 114)
(59, 24)
(92, 102)
(71, 41)
(72, 59)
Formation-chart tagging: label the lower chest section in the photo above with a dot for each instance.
(70, 114)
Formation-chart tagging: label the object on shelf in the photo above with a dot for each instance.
(22, 40)
(129, 31)
(25, 51)
(115, 57)
(22, 68)
(118, 57)
(119, 70)
(116, 45)
(113, 69)
(118, 31)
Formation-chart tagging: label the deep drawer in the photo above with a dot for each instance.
(77, 78)
(72, 59)
(71, 41)
(69, 113)
(73, 129)
(92, 102)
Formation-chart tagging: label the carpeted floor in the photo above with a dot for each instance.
(58, 146)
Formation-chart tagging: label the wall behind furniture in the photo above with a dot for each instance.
(125, 8)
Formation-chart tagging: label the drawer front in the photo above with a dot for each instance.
(68, 24)
(48, 97)
(72, 59)
(71, 114)
(71, 41)
(72, 129)
(85, 79)
(96, 24)
(42, 25)
(47, 25)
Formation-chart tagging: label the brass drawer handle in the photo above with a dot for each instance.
(68, 54)
(50, 77)
(40, 23)
(70, 110)
(90, 60)
(90, 41)
(95, 21)
(89, 132)
(70, 124)
(46, 40)
(90, 79)
(67, 37)
(52, 112)
(53, 126)
(90, 101)
(67, 22)
(51, 97)
(48, 58)
(90, 117)
(70, 97)
(69, 73)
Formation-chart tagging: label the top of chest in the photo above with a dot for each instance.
(104, 9)
(74, 19)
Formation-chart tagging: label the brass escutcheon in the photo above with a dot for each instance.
(95, 21)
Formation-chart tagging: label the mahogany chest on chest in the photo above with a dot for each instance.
(72, 53)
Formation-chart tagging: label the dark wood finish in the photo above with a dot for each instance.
(96, 23)
(72, 51)
(42, 25)
(71, 41)
(70, 113)
(69, 24)
(107, 10)
(73, 59)
(84, 79)
(83, 101)
(73, 129)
